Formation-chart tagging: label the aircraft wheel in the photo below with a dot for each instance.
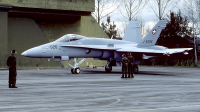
(77, 70)
(108, 69)
(135, 69)
(72, 71)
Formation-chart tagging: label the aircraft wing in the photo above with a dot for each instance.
(139, 50)
(132, 49)
(178, 50)
(145, 50)
(98, 47)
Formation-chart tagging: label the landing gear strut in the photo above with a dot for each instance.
(108, 67)
(135, 68)
(75, 69)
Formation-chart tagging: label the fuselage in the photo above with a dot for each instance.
(58, 48)
(78, 46)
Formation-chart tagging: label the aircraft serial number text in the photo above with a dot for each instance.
(148, 41)
(53, 46)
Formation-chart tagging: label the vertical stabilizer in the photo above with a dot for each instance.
(132, 33)
(151, 38)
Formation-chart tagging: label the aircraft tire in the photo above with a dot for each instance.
(77, 70)
(135, 69)
(72, 71)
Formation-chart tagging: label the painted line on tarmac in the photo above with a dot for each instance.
(162, 108)
(110, 104)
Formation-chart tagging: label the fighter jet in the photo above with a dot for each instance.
(73, 46)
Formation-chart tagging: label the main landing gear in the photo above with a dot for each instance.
(135, 68)
(108, 67)
(75, 69)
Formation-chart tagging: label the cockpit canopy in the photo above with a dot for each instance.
(69, 37)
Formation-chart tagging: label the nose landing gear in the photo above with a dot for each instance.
(75, 68)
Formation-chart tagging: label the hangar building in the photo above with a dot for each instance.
(28, 23)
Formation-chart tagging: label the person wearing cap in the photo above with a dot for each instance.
(124, 66)
(130, 65)
(11, 63)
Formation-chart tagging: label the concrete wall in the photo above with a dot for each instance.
(22, 29)
(24, 33)
(54, 29)
(89, 27)
(3, 38)
(76, 5)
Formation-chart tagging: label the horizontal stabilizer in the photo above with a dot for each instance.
(178, 51)
(147, 57)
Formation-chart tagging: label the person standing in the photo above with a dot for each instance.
(124, 66)
(11, 63)
(130, 65)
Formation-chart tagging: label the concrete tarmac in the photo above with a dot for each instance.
(154, 89)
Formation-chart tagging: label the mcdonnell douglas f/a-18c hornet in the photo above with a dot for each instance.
(73, 46)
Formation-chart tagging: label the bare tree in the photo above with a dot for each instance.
(192, 12)
(130, 8)
(110, 28)
(198, 16)
(162, 7)
(123, 25)
(103, 8)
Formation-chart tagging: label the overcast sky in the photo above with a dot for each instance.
(146, 12)
(146, 15)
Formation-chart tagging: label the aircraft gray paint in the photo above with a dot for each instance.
(73, 46)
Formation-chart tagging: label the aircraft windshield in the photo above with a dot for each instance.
(69, 37)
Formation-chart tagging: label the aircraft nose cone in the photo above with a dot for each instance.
(35, 52)
(24, 53)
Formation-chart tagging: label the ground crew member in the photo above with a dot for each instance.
(130, 65)
(124, 66)
(11, 63)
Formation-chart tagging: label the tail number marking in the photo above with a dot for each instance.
(148, 41)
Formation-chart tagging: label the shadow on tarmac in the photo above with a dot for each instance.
(98, 71)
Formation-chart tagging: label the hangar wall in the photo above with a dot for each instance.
(3, 38)
(76, 5)
(26, 23)
(24, 33)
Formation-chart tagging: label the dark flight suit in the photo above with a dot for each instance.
(11, 63)
(130, 66)
(124, 67)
